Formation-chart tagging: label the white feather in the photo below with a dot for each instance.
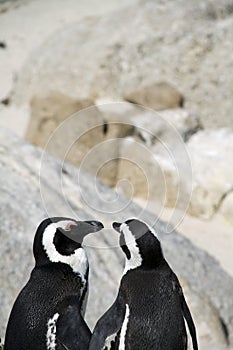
(107, 344)
(124, 328)
(77, 261)
(152, 231)
(51, 332)
(135, 259)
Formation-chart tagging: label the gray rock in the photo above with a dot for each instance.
(6, 5)
(206, 317)
(6, 82)
(226, 208)
(138, 174)
(57, 121)
(196, 174)
(211, 154)
(48, 112)
(64, 190)
(192, 56)
(3, 1)
(213, 10)
(155, 161)
(167, 126)
(96, 136)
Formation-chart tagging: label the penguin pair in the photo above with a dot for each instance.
(48, 313)
(149, 310)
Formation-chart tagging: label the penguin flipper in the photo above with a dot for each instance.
(72, 331)
(109, 324)
(189, 320)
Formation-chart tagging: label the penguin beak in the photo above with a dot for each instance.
(81, 229)
(116, 226)
(96, 225)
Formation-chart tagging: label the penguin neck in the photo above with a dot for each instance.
(132, 264)
(76, 262)
(62, 277)
(137, 261)
(45, 252)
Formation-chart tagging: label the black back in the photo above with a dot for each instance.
(155, 312)
(37, 303)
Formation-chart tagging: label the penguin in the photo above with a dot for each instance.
(48, 312)
(150, 307)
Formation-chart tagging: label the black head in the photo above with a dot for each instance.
(59, 239)
(140, 244)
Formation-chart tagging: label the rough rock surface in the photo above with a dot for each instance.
(156, 160)
(6, 82)
(211, 154)
(157, 96)
(226, 208)
(98, 143)
(64, 190)
(169, 126)
(6, 5)
(198, 172)
(139, 53)
(48, 112)
(61, 123)
(89, 60)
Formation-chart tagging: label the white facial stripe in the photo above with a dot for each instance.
(152, 231)
(77, 261)
(51, 332)
(124, 328)
(136, 259)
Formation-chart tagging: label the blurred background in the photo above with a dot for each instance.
(137, 94)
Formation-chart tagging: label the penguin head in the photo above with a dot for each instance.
(140, 244)
(59, 239)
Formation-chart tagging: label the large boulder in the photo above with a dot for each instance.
(162, 156)
(6, 5)
(226, 208)
(48, 112)
(168, 126)
(196, 175)
(211, 155)
(155, 161)
(6, 82)
(157, 96)
(139, 175)
(65, 190)
(91, 59)
(59, 122)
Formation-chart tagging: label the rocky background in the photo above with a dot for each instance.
(160, 75)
